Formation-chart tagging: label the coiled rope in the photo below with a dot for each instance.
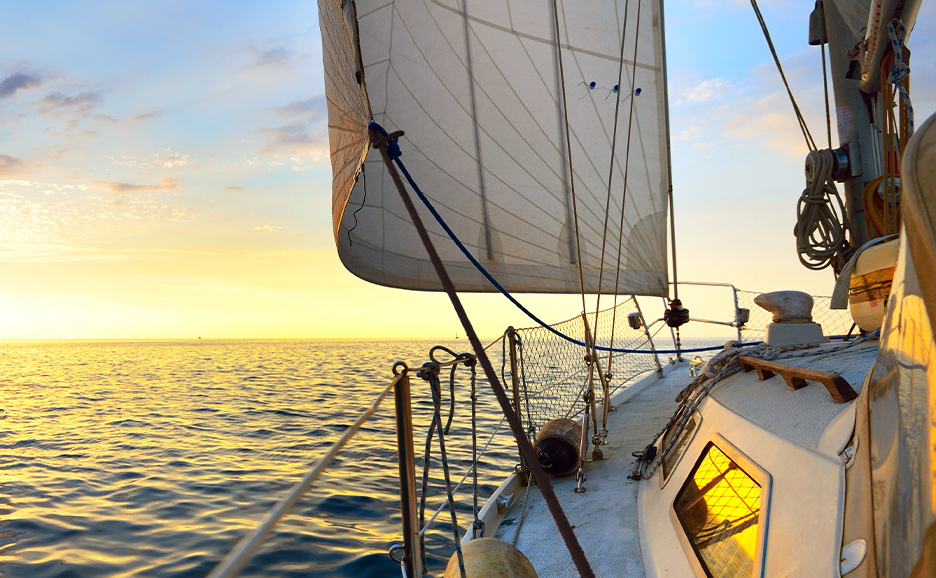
(820, 212)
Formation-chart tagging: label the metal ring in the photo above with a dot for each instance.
(396, 548)
(400, 364)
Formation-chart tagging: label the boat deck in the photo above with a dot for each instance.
(605, 516)
(770, 423)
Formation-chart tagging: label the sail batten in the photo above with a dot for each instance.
(476, 88)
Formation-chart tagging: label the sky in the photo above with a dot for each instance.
(164, 171)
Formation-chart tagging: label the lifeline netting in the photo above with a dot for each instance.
(552, 371)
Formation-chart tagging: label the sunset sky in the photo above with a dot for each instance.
(164, 170)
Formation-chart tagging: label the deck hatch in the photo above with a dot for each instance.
(720, 507)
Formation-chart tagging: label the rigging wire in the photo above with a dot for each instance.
(799, 115)
(614, 131)
(630, 131)
(390, 152)
(487, 275)
(565, 118)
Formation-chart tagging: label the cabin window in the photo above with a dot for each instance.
(719, 509)
(672, 458)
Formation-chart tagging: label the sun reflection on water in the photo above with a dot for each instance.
(153, 458)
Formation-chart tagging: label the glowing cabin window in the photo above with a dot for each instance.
(719, 509)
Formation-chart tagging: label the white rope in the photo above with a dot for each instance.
(820, 234)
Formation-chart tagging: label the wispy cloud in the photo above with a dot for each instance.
(267, 228)
(16, 82)
(166, 158)
(164, 184)
(755, 110)
(312, 108)
(276, 57)
(234, 189)
(11, 166)
(145, 116)
(82, 102)
(303, 138)
(710, 90)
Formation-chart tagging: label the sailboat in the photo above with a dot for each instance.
(522, 147)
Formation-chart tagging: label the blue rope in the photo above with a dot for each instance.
(393, 150)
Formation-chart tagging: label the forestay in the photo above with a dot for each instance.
(480, 99)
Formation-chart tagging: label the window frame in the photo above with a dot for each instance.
(665, 476)
(758, 474)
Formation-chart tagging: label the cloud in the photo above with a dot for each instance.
(164, 184)
(315, 107)
(167, 159)
(105, 118)
(144, 116)
(267, 228)
(714, 89)
(16, 82)
(277, 57)
(301, 139)
(754, 110)
(296, 141)
(10, 166)
(50, 221)
(234, 189)
(81, 102)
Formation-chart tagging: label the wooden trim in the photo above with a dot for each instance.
(796, 377)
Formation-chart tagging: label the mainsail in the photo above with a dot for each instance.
(510, 132)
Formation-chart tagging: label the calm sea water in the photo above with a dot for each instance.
(153, 458)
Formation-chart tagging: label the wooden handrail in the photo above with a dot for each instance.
(796, 377)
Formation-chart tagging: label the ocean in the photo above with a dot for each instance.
(152, 458)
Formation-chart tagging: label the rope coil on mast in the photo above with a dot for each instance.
(820, 214)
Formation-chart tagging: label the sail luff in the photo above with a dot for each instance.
(667, 185)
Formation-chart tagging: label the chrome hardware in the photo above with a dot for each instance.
(695, 366)
(505, 502)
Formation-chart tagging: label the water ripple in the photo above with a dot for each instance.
(153, 458)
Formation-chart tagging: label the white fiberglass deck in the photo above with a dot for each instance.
(804, 427)
(605, 516)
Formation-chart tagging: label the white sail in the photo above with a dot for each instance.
(506, 119)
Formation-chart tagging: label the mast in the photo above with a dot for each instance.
(855, 155)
